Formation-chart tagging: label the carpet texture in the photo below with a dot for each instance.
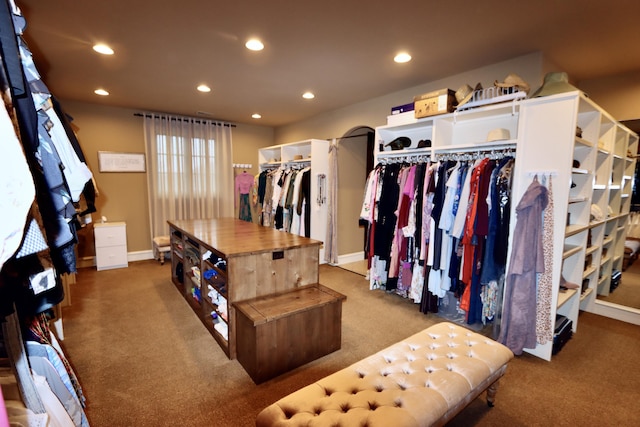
(144, 359)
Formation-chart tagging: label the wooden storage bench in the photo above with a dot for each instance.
(277, 333)
(424, 380)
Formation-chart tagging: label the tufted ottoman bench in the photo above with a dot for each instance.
(161, 244)
(423, 380)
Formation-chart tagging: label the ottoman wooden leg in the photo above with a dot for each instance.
(491, 393)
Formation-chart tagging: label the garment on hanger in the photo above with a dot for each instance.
(544, 300)
(518, 328)
(243, 186)
(17, 187)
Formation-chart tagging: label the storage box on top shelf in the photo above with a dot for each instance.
(437, 102)
(401, 119)
(402, 108)
(401, 115)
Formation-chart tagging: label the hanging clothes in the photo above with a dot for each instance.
(296, 219)
(544, 322)
(243, 186)
(284, 196)
(58, 173)
(304, 203)
(518, 330)
(44, 179)
(438, 212)
(495, 256)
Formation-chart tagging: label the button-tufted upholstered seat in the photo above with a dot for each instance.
(423, 380)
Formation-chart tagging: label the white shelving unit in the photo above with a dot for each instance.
(588, 167)
(314, 153)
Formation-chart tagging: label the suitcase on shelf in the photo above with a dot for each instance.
(562, 334)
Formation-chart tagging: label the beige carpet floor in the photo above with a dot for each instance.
(145, 360)
(358, 267)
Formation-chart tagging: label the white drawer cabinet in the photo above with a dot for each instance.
(111, 245)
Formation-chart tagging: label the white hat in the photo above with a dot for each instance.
(555, 82)
(513, 80)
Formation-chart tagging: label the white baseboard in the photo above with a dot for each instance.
(618, 312)
(90, 261)
(354, 257)
(140, 255)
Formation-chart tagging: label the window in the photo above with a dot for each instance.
(183, 164)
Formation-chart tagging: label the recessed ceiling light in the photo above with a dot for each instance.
(101, 92)
(103, 49)
(308, 95)
(256, 116)
(204, 88)
(254, 44)
(402, 57)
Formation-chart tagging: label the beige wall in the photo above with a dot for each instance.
(352, 171)
(374, 112)
(123, 196)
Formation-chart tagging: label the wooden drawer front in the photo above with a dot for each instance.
(111, 257)
(261, 274)
(110, 236)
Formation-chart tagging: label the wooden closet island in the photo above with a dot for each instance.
(221, 264)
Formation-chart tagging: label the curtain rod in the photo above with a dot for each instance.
(184, 119)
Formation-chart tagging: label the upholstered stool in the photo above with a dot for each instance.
(161, 244)
(423, 380)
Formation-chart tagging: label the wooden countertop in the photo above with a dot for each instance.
(232, 236)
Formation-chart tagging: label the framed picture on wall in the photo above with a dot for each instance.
(109, 161)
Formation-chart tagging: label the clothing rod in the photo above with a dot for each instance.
(185, 119)
(402, 154)
(412, 158)
(484, 148)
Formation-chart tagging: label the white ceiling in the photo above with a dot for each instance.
(340, 49)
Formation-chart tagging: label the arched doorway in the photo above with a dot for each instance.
(355, 161)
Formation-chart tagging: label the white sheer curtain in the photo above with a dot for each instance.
(189, 169)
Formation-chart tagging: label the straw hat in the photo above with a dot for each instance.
(513, 80)
(554, 82)
(465, 93)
